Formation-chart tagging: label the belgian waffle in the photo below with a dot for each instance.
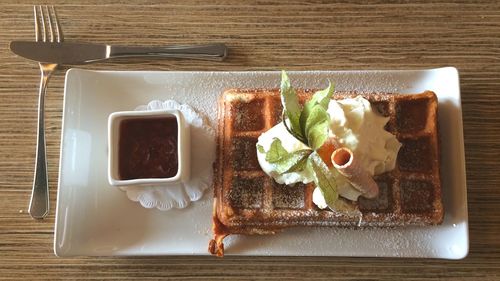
(247, 201)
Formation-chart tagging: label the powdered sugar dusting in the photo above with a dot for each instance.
(214, 83)
(313, 80)
(200, 90)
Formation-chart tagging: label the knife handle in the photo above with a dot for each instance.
(216, 51)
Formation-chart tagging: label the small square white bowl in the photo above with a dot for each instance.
(183, 147)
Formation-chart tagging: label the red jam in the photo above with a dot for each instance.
(147, 148)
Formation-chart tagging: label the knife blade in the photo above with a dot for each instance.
(82, 53)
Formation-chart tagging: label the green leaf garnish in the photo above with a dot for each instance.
(310, 126)
(291, 105)
(293, 162)
(321, 98)
(316, 127)
(324, 96)
(276, 151)
(324, 179)
(284, 161)
(260, 148)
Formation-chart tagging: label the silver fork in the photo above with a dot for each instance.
(50, 31)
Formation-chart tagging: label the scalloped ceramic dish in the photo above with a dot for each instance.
(94, 219)
(165, 196)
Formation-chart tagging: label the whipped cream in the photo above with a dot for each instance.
(354, 125)
(291, 144)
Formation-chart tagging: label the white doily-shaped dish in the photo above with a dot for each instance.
(180, 195)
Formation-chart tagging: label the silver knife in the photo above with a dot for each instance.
(81, 53)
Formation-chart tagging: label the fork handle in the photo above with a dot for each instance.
(39, 202)
(216, 51)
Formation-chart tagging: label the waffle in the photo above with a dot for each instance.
(247, 201)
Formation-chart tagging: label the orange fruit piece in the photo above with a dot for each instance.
(326, 150)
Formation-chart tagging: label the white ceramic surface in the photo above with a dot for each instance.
(96, 220)
(183, 148)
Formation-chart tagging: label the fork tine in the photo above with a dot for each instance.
(57, 26)
(37, 29)
(42, 18)
(49, 23)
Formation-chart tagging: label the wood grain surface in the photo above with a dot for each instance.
(262, 35)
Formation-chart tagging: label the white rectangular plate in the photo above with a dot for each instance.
(95, 219)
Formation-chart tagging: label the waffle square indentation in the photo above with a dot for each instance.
(381, 107)
(415, 155)
(383, 202)
(248, 115)
(288, 196)
(246, 193)
(277, 109)
(417, 196)
(244, 154)
(411, 115)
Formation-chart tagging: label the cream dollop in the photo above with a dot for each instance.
(356, 126)
(291, 144)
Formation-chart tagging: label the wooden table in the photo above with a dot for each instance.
(262, 35)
